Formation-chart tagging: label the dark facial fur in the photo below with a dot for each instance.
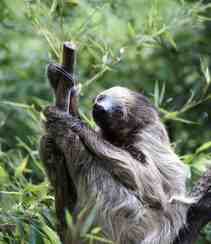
(120, 112)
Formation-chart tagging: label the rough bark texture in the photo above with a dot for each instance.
(62, 82)
(59, 171)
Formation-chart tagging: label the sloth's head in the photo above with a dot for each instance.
(119, 111)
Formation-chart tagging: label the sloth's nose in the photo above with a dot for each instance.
(100, 114)
(102, 109)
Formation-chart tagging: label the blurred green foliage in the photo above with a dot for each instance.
(159, 47)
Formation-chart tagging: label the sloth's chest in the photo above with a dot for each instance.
(135, 153)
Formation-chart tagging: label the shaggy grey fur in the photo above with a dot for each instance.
(127, 169)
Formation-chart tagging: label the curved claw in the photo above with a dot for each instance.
(57, 118)
(53, 112)
(53, 75)
(55, 72)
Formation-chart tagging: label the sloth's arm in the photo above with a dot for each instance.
(116, 160)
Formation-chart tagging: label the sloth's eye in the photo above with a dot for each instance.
(118, 111)
(100, 98)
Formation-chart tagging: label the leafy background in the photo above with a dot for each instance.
(159, 47)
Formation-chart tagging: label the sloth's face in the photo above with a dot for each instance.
(119, 109)
(108, 112)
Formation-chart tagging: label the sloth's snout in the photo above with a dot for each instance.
(100, 113)
(102, 109)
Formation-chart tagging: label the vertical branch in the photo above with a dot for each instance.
(65, 194)
(69, 57)
(61, 78)
(66, 98)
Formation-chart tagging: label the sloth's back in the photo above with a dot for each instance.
(120, 213)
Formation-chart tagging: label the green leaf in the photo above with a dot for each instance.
(89, 121)
(53, 7)
(131, 30)
(88, 221)
(188, 158)
(185, 121)
(69, 219)
(99, 239)
(162, 93)
(4, 177)
(204, 147)
(206, 72)
(96, 230)
(17, 7)
(200, 164)
(30, 152)
(16, 105)
(170, 39)
(74, 2)
(156, 94)
(52, 235)
(41, 188)
(21, 168)
(34, 236)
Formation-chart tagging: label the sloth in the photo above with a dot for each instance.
(126, 169)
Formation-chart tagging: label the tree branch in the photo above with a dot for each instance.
(66, 98)
(62, 80)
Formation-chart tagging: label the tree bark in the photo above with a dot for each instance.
(53, 159)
